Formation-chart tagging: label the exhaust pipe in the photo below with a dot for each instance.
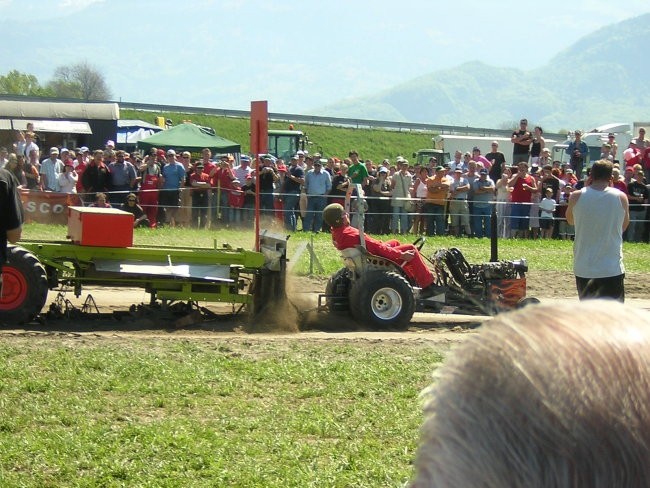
(494, 243)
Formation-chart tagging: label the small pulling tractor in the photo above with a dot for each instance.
(249, 279)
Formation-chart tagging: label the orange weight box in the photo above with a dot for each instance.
(104, 227)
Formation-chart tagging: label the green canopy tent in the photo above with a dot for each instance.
(189, 137)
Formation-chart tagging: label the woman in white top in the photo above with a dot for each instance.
(68, 179)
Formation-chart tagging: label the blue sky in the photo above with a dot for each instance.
(299, 55)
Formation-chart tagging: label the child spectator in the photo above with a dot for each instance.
(566, 231)
(547, 208)
(100, 201)
(236, 202)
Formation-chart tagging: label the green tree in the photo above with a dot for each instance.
(80, 81)
(17, 83)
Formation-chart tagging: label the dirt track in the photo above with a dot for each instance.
(115, 320)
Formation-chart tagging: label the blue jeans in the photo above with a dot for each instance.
(481, 218)
(290, 205)
(314, 218)
(435, 217)
(400, 221)
(222, 197)
(266, 204)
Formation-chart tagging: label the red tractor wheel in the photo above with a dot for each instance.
(24, 287)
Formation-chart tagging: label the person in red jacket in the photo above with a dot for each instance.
(345, 236)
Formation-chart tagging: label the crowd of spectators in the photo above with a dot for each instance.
(528, 189)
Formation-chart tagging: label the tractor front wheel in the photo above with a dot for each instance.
(382, 299)
(24, 287)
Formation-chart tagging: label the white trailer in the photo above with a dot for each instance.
(595, 139)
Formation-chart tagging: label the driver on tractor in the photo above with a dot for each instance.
(407, 256)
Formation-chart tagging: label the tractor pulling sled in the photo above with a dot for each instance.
(98, 256)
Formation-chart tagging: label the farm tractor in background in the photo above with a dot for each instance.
(376, 291)
(284, 144)
(422, 156)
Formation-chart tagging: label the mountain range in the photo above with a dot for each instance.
(601, 78)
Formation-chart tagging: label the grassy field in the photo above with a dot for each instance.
(375, 144)
(209, 412)
(542, 255)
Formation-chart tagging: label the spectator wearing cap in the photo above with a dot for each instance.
(497, 160)
(434, 207)
(484, 189)
(122, 178)
(80, 165)
(318, 185)
(243, 171)
(221, 178)
(150, 183)
(479, 158)
(632, 155)
(401, 185)
(200, 188)
(68, 179)
(50, 170)
(301, 160)
(578, 152)
(173, 177)
(266, 179)
(611, 140)
(95, 177)
(458, 205)
(293, 181)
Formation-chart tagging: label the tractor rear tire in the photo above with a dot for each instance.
(382, 299)
(338, 289)
(24, 287)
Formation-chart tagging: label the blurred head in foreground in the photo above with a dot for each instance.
(550, 395)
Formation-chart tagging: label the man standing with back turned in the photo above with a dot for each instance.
(600, 214)
(11, 215)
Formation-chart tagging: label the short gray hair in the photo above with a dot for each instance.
(550, 395)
